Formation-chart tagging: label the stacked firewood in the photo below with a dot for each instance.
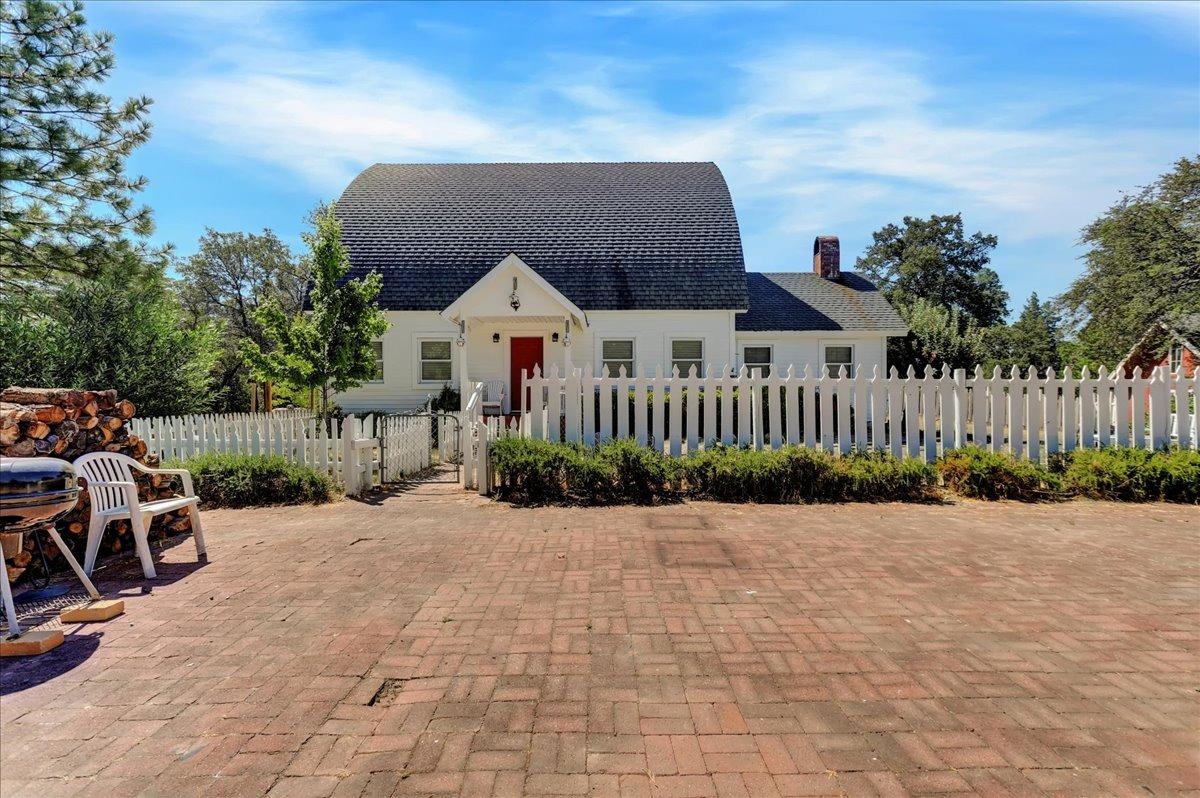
(66, 423)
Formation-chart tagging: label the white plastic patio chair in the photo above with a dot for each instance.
(492, 401)
(114, 496)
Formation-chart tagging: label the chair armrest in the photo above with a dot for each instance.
(184, 475)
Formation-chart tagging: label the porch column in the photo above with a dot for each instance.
(464, 381)
(568, 361)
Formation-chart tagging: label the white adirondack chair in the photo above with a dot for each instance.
(114, 496)
(492, 401)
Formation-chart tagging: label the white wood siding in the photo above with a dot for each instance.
(651, 331)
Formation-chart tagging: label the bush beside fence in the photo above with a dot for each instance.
(255, 480)
(533, 472)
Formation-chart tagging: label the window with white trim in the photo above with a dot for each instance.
(685, 353)
(838, 356)
(757, 359)
(378, 347)
(617, 353)
(1176, 361)
(434, 366)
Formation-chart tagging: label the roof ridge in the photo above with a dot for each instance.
(543, 163)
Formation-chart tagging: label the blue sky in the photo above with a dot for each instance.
(1029, 118)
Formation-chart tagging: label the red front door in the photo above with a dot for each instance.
(525, 354)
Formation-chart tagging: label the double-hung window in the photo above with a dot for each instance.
(617, 354)
(757, 360)
(685, 353)
(435, 361)
(1176, 358)
(838, 356)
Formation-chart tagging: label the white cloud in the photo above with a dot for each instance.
(817, 136)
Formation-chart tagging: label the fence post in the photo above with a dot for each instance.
(350, 472)
(1160, 409)
(482, 473)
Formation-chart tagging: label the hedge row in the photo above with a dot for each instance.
(256, 480)
(533, 472)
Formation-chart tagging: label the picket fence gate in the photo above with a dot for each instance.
(910, 416)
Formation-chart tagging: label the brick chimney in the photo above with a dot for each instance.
(827, 259)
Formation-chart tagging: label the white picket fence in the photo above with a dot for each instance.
(919, 417)
(344, 449)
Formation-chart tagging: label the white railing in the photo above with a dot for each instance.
(910, 416)
(343, 449)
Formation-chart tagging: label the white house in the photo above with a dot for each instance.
(489, 269)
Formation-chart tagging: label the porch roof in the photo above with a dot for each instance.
(490, 298)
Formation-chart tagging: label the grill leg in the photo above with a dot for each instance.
(71, 561)
(10, 612)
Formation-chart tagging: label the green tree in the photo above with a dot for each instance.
(1034, 339)
(113, 333)
(66, 201)
(1142, 266)
(229, 278)
(932, 259)
(938, 336)
(935, 275)
(330, 346)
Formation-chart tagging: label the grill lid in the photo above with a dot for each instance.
(26, 475)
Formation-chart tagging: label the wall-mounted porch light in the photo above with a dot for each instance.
(461, 340)
(495, 338)
(554, 337)
(514, 301)
(566, 332)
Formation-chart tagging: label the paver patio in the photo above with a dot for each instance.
(431, 642)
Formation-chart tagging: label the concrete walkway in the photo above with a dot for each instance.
(429, 642)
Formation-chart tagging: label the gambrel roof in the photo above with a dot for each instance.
(609, 236)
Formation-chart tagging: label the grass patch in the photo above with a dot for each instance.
(256, 480)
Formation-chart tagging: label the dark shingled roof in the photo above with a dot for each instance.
(807, 301)
(609, 236)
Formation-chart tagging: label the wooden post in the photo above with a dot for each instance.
(269, 396)
(350, 471)
(482, 466)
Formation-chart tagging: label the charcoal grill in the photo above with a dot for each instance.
(34, 493)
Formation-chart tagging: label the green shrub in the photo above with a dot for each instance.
(881, 477)
(1126, 474)
(796, 474)
(532, 471)
(727, 473)
(256, 480)
(640, 474)
(535, 472)
(977, 473)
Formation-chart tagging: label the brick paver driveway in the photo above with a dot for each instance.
(433, 643)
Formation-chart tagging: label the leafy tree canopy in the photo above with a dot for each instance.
(66, 201)
(932, 259)
(938, 336)
(229, 278)
(113, 333)
(1034, 339)
(1142, 265)
(329, 347)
